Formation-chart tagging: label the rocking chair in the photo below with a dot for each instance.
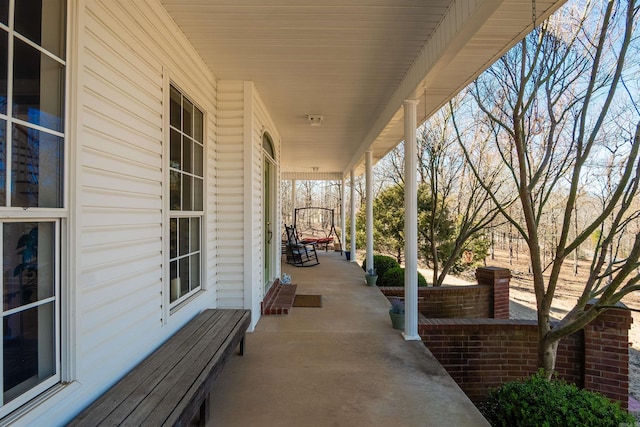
(300, 254)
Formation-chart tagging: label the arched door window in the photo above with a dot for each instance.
(267, 146)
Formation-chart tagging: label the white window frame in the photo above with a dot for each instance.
(182, 300)
(56, 216)
(56, 378)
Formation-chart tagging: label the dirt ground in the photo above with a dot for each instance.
(523, 302)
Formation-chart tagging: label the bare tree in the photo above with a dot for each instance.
(549, 104)
(453, 187)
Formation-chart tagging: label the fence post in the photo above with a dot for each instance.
(497, 279)
(606, 354)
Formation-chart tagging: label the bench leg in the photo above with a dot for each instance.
(242, 346)
(204, 412)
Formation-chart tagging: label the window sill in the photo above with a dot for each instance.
(30, 412)
(184, 303)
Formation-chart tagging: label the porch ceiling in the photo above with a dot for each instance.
(351, 61)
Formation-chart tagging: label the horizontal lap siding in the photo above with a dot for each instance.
(229, 194)
(125, 50)
(257, 211)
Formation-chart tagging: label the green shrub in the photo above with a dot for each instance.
(382, 264)
(395, 277)
(538, 402)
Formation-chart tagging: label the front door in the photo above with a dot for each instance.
(268, 191)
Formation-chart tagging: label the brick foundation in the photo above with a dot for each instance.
(483, 353)
(488, 299)
(606, 354)
(497, 279)
(279, 299)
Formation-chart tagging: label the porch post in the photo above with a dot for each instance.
(293, 201)
(410, 223)
(343, 216)
(352, 247)
(369, 189)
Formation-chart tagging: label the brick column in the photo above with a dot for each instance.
(498, 280)
(606, 354)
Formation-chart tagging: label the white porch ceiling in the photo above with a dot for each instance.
(351, 61)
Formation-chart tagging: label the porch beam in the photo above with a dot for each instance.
(369, 207)
(410, 222)
(461, 22)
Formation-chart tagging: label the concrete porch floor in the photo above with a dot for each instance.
(338, 365)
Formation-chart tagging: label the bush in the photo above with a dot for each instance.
(382, 264)
(538, 402)
(395, 277)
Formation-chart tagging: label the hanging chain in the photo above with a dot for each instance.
(533, 12)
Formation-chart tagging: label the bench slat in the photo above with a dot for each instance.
(144, 400)
(193, 387)
(162, 399)
(209, 333)
(120, 400)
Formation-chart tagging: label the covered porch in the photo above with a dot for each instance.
(341, 364)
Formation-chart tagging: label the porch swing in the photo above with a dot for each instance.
(315, 225)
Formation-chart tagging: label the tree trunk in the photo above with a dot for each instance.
(547, 357)
(547, 350)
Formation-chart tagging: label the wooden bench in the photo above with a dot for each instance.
(171, 386)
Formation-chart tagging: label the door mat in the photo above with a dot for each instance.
(308, 301)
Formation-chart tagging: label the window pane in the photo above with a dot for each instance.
(175, 185)
(42, 22)
(28, 349)
(28, 263)
(173, 239)
(183, 235)
(174, 150)
(195, 271)
(187, 155)
(3, 162)
(4, 12)
(175, 108)
(197, 194)
(38, 87)
(186, 160)
(184, 275)
(4, 58)
(37, 168)
(267, 145)
(187, 183)
(195, 235)
(198, 124)
(187, 117)
(174, 281)
(197, 160)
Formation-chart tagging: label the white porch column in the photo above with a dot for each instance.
(369, 189)
(352, 247)
(293, 201)
(410, 223)
(343, 215)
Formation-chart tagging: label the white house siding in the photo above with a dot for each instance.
(127, 52)
(242, 119)
(230, 194)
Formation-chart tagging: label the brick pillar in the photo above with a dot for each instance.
(498, 280)
(606, 354)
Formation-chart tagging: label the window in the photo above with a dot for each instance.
(32, 80)
(186, 196)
